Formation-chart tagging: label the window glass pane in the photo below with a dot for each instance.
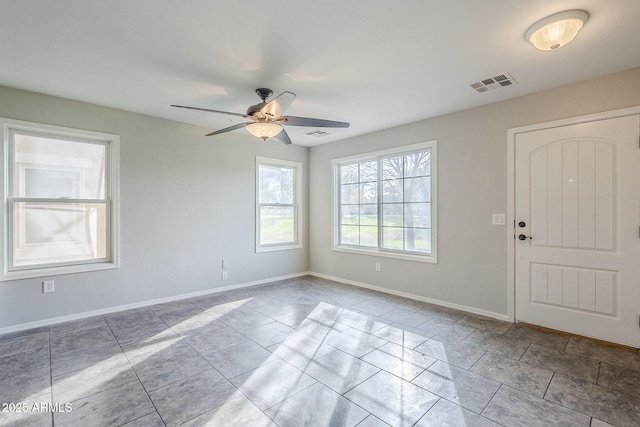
(392, 191)
(417, 164)
(393, 238)
(369, 214)
(349, 194)
(369, 192)
(369, 171)
(277, 225)
(392, 215)
(418, 239)
(417, 215)
(349, 174)
(276, 184)
(50, 167)
(349, 215)
(58, 232)
(369, 236)
(349, 235)
(417, 189)
(392, 167)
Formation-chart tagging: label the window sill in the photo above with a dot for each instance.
(55, 271)
(274, 248)
(430, 259)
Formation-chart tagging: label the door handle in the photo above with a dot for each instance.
(523, 237)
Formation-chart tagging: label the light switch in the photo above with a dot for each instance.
(497, 219)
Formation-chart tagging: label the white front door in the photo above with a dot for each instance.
(577, 210)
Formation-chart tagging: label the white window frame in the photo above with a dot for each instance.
(112, 144)
(297, 204)
(379, 251)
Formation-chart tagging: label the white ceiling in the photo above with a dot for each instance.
(374, 63)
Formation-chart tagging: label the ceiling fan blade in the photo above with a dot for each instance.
(210, 111)
(229, 129)
(279, 104)
(317, 123)
(283, 137)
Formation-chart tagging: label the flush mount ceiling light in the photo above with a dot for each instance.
(264, 130)
(556, 30)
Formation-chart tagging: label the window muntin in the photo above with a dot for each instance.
(59, 200)
(277, 200)
(385, 202)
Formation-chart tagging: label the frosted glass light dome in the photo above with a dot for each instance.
(264, 130)
(556, 30)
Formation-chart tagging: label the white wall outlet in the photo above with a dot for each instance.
(497, 219)
(225, 275)
(47, 286)
(378, 267)
(225, 263)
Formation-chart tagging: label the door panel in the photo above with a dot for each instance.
(578, 192)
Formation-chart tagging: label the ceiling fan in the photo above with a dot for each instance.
(267, 119)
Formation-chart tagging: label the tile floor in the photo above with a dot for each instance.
(310, 352)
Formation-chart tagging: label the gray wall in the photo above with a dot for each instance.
(187, 202)
(472, 184)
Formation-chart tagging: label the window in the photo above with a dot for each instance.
(60, 200)
(278, 222)
(385, 202)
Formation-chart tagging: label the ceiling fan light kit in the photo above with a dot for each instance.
(264, 130)
(556, 30)
(267, 119)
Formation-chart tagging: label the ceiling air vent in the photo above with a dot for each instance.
(501, 80)
(318, 133)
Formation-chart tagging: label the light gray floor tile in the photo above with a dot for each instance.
(610, 353)
(74, 360)
(395, 401)
(239, 412)
(465, 388)
(354, 342)
(461, 354)
(27, 384)
(445, 331)
(269, 334)
(168, 307)
(599, 402)
(520, 375)
(293, 315)
(400, 361)
(511, 407)
(540, 336)
(170, 361)
(186, 318)
(27, 416)
(137, 316)
(243, 318)
(23, 343)
(24, 333)
(403, 335)
(191, 397)
(108, 408)
(621, 379)
(340, 371)
(375, 307)
(76, 326)
(272, 383)
(406, 317)
(214, 338)
(108, 373)
(364, 322)
(486, 323)
(510, 347)
(372, 421)
(445, 413)
(241, 358)
(81, 339)
(19, 363)
(151, 420)
(564, 363)
(144, 333)
(446, 313)
(299, 350)
(317, 405)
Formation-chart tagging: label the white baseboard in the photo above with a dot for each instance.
(109, 310)
(415, 297)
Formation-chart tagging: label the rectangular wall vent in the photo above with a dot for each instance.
(318, 133)
(501, 80)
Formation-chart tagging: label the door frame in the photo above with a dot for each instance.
(511, 181)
